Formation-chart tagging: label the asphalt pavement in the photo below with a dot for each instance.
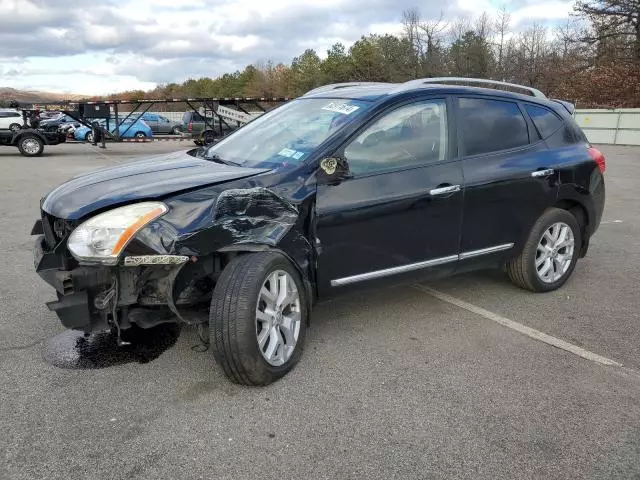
(394, 383)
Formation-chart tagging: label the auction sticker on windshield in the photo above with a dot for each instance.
(343, 108)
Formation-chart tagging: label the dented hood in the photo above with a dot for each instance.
(152, 178)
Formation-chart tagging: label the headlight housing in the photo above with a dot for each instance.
(102, 238)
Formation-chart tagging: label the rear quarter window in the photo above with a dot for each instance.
(545, 121)
(489, 125)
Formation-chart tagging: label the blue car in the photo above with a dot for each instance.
(127, 129)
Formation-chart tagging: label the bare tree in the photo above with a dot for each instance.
(431, 31)
(613, 21)
(502, 29)
(411, 31)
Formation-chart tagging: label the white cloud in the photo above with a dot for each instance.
(115, 45)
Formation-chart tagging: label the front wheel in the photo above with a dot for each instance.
(175, 131)
(258, 318)
(141, 135)
(14, 127)
(550, 253)
(89, 137)
(30, 146)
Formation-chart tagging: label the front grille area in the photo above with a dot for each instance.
(55, 229)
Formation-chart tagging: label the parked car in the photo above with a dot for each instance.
(11, 119)
(193, 123)
(347, 186)
(60, 121)
(161, 124)
(128, 129)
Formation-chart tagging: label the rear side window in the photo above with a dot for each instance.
(545, 120)
(490, 125)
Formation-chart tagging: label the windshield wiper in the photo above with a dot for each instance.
(218, 159)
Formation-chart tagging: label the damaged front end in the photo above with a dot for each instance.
(167, 269)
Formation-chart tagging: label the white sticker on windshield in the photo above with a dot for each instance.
(286, 152)
(343, 108)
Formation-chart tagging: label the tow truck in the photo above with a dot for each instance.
(30, 141)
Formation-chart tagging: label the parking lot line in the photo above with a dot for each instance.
(519, 327)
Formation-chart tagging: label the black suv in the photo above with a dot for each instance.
(350, 185)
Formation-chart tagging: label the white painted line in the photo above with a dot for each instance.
(518, 327)
(610, 222)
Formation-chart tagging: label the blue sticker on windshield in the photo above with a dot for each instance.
(298, 155)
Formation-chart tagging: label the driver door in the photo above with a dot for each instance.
(398, 216)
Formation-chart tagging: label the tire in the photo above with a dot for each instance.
(208, 137)
(30, 145)
(175, 131)
(235, 326)
(14, 127)
(88, 137)
(140, 135)
(523, 271)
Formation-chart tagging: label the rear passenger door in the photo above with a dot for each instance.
(509, 177)
(151, 119)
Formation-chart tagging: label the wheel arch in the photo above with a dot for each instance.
(22, 133)
(247, 248)
(581, 213)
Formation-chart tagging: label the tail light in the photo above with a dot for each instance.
(598, 157)
(190, 127)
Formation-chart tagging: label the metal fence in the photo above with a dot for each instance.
(620, 126)
(616, 126)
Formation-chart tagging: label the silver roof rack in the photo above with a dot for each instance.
(411, 84)
(336, 86)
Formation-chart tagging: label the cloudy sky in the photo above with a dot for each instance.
(106, 46)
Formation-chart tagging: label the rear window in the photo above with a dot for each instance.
(491, 125)
(192, 117)
(544, 119)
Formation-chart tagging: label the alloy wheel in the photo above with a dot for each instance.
(30, 146)
(278, 317)
(555, 252)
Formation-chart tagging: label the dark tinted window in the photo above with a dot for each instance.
(414, 134)
(545, 120)
(491, 125)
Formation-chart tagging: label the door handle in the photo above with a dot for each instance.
(543, 173)
(445, 190)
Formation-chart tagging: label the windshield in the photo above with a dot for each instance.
(288, 134)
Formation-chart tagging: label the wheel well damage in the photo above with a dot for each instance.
(212, 230)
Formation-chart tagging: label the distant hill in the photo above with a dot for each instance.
(27, 96)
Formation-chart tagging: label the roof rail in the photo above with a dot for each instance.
(336, 86)
(482, 81)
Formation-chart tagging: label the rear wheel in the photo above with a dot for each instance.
(550, 253)
(141, 135)
(89, 137)
(208, 137)
(258, 318)
(175, 131)
(30, 146)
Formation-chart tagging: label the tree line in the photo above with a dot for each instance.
(593, 59)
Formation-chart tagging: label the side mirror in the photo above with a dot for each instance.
(333, 170)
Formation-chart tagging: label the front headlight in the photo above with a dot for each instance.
(103, 237)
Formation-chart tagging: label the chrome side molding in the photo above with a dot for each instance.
(485, 251)
(340, 282)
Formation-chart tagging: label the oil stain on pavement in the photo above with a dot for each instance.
(71, 349)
